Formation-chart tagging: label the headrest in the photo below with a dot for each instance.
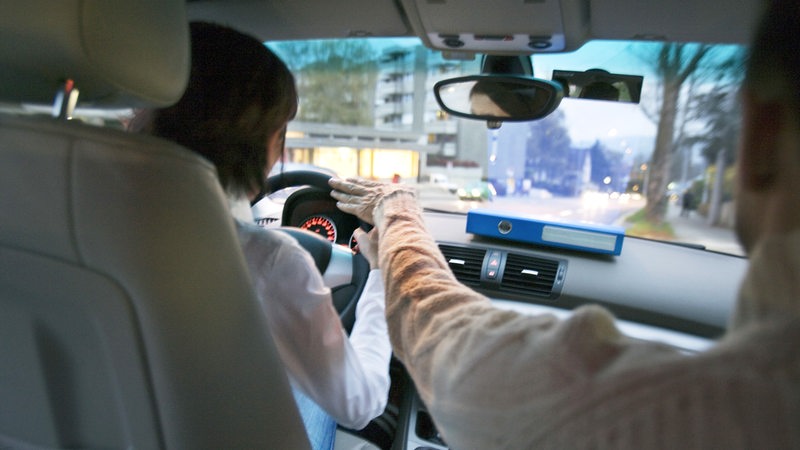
(120, 53)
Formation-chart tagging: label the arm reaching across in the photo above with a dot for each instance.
(454, 343)
(493, 378)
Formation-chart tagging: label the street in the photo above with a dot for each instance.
(597, 208)
(594, 208)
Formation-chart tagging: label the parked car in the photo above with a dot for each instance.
(366, 72)
(479, 190)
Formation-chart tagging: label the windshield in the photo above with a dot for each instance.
(660, 169)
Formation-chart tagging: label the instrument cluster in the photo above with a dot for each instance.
(327, 227)
(321, 216)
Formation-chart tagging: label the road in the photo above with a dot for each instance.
(591, 208)
(596, 209)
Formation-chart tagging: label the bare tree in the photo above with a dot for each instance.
(713, 108)
(718, 138)
(674, 63)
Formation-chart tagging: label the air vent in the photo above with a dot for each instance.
(266, 221)
(529, 275)
(466, 263)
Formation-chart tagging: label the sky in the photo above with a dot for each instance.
(589, 120)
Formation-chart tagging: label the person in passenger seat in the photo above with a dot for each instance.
(234, 112)
(494, 378)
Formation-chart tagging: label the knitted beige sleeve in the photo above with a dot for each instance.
(420, 288)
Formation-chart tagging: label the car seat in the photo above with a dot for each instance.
(127, 319)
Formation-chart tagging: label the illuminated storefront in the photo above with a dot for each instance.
(356, 151)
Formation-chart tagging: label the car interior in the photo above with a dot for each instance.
(126, 312)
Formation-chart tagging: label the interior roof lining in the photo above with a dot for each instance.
(730, 21)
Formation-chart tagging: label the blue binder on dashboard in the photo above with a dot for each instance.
(592, 238)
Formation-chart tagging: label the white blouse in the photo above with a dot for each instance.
(347, 377)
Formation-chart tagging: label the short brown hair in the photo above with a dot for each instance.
(239, 94)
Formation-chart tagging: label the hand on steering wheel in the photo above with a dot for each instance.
(348, 271)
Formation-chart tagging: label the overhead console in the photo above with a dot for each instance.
(536, 25)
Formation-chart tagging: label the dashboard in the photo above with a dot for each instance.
(657, 284)
(678, 295)
(310, 209)
(332, 224)
(662, 285)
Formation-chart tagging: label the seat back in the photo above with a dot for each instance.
(127, 318)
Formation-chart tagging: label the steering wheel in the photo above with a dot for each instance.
(344, 273)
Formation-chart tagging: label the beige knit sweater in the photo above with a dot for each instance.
(495, 379)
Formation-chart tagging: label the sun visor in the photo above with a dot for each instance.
(535, 26)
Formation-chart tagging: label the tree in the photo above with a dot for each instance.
(674, 63)
(722, 134)
(335, 80)
(717, 108)
(547, 150)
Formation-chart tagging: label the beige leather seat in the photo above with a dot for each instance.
(126, 315)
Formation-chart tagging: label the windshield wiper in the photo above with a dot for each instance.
(443, 211)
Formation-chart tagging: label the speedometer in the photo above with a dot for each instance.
(321, 225)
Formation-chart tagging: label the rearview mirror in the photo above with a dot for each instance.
(498, 98)
(598, 84)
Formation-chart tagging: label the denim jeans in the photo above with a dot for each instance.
(320, 427)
